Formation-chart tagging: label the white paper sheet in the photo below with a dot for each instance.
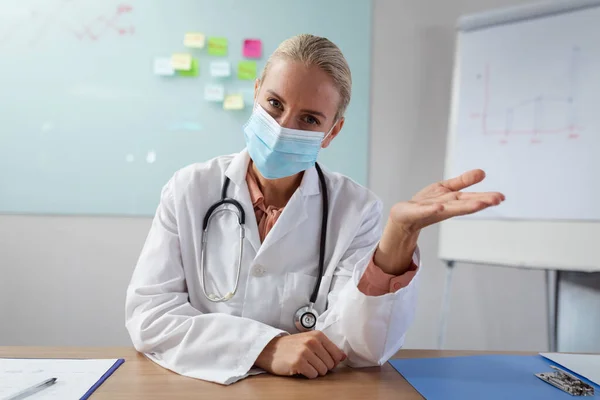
(214, 92)
(162, 66)
(220, 69)
(586, 365)
(74, 377)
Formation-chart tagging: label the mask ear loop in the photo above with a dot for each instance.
(329, 133)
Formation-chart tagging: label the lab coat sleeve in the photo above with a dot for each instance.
(369, 329)
(163, 324)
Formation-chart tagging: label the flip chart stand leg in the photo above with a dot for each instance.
(552, 298)
(445, 305)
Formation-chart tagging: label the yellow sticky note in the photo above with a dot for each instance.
(233, 102)
(247, 70)
(181, 61)
(194, 39)
(217, 46)
(193, 71)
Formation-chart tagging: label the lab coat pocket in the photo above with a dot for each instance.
(296, 294)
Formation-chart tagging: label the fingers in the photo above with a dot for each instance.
(493, 198)
(320, 351)
(310, 354)
(316, 362)
(336, 354)
(463, 207)
(463, 181)
(306, 369)
(412, 212)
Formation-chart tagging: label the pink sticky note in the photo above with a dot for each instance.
(252, 48)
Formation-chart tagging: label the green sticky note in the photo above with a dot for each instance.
(247, 70)
(193, 71)
(217, 46)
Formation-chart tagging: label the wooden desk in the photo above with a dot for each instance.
(140, 378)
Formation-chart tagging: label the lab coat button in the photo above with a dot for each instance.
(258, 270)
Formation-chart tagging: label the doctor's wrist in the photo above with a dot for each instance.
(394, 254)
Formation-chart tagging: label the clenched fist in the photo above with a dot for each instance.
(310, 354)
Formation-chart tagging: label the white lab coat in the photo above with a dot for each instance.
(170, 320)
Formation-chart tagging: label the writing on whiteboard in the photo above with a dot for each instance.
(34, 25)
(536, 116)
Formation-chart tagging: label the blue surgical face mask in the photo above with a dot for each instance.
(279, 152)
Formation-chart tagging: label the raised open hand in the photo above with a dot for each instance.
(443, 200)
(435, 203)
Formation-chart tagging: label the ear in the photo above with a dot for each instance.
(256, 88)
(334, 132)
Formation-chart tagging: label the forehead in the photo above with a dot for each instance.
(301, 86)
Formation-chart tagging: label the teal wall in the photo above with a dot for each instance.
(81, 108)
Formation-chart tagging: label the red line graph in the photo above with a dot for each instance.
(568, 102)
(102, 24)
(37, 25)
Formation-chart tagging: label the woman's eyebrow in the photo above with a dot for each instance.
(320, 114)
(274, 93)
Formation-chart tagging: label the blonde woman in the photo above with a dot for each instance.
(266, 261)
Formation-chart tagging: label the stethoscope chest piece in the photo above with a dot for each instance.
(305, 318)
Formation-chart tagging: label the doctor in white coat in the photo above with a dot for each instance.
(246, 304)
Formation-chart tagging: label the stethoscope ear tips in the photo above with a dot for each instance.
(228, 296)
(212, 297)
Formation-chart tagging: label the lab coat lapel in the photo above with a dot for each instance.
(296, 210)
(236, 172)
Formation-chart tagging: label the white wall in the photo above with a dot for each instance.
(63, 279)
(490, 308)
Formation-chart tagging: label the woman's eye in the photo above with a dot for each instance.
(275, 103)
(309, 119)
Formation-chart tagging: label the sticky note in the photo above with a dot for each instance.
(181, 61)
(214, 92)
(193, 71)
(233, 102)
(194, 40)
(220, 69)
(162, 66)
(252, 48)
(217, 46)
(247, 70)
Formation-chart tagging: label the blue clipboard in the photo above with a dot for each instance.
(487, 377)
(103, 378)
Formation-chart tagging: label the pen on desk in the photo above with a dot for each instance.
(31, 390)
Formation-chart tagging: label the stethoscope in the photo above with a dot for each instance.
(305, 318)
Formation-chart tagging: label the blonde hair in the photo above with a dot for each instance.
(320, 52)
